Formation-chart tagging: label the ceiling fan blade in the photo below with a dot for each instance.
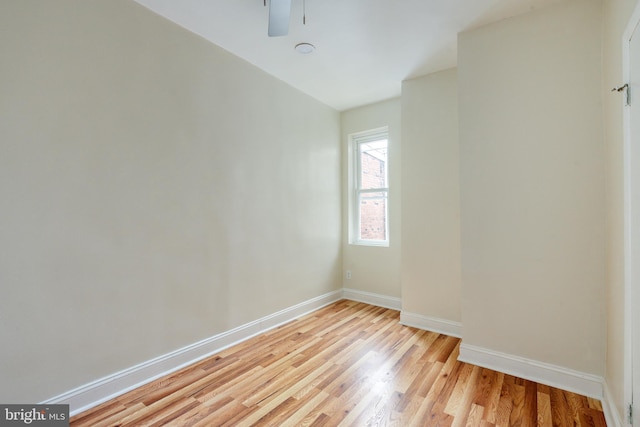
(279, 14)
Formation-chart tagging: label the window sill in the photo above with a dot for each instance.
(373, 243)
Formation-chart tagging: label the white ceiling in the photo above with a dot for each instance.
(364, 48)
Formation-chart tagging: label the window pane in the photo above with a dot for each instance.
(373, 164)
(373, 216)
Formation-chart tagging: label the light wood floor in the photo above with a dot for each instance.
(348, 364)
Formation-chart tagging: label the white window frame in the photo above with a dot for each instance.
(355, 190)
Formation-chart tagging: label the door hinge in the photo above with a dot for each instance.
(630, 413)
(627, 96)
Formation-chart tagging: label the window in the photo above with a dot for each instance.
(369, 198)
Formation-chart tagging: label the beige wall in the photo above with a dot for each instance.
(616, 14)
(155, 191)
(532, 186)
(374, 269)
(430, 272)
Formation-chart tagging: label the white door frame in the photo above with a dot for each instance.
(630, 184)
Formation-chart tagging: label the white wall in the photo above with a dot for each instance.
(375, 269)
(616, 14)
(532, 186)
(430, 271)
(154, 190)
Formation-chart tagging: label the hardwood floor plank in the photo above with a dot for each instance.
(530, 410)
(594, 404)
(360, 399)
(476, 414)
(449, 382)
(167, 389)
(461, 388)
(560, 413)
(211, 386)
(204, 410)
(434, 350)
(333, 408)
(111, 420)
(228, 415)
(168, 415)
(491, 400)
(419, 389)
(576, 404)
(518, 417)
(382, 412)
(592, 417)
(302, 413)
(347, 364)
(299, 376)
(426, 413)
(462, 413)
(320, 421)
(505, 404)
(544, 410)
(100, 413)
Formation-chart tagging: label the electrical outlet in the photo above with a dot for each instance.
(348, 274)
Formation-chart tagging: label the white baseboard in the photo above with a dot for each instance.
(372, 298)
(611, 414)
(94, 393)
(544, 373)
(434, 324)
